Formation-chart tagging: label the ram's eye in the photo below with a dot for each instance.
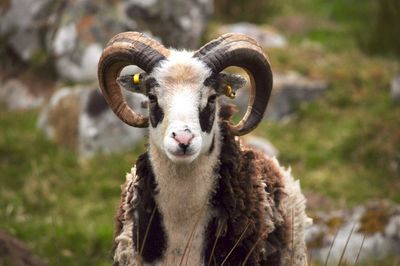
(152, 98)
(212, 98)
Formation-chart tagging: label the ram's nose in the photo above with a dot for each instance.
(183, 138)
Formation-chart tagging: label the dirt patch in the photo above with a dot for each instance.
(64, 119)
(14, 252)
(4, 6)
(37, 84)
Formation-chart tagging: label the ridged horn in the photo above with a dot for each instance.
(233, 49)
(127, 48)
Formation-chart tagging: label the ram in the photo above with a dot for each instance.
(198, 196)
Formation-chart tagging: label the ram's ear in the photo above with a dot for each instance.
(134, 83)
(228, 84)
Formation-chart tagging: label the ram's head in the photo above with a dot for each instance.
(182, 89)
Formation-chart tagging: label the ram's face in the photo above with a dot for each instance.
(182, 99)
(182, 108)
(182, 88)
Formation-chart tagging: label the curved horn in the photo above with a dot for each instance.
(127, 48)
(239, 50)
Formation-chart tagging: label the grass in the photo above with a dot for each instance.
(345, 146)
(62, 207)
(350, 138)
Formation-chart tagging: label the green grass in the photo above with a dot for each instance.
(345, 146)
(337, 25)
(61, 206)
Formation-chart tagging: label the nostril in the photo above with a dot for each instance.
(182, 137)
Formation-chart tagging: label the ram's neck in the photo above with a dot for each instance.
(183, 193)
(194, 182)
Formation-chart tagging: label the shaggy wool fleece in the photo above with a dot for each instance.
(258, 211)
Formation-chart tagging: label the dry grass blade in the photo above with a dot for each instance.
(137, 231)
(191, 236)
(234, 246)
(292, 239)
(330, 248)
(359, 252)
(214, 245)
(147, 231)
(309, 258)
(345, 246)
(252, 248)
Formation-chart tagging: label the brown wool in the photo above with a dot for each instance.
(253, 225)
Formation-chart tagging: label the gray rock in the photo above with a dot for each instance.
(84, 29)
(373, 227)
(23, 24)
(266, 36)
(80, 119)
(290, 90)
(83, 70)
(16, 96)
(261, 144)
(72, 34)
(395, 89)
(179, 23)
(86, 26)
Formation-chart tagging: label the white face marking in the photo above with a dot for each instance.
(181, 95)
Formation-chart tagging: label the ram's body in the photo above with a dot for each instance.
(256, 210)
(197, 196)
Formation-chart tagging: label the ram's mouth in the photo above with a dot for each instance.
(183, 154)
(179, 156)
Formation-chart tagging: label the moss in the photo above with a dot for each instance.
(43, 62)
(334, 223)
(38, 58)
(314, 216)
(374, 220)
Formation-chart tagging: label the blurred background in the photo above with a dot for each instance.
(334, 118)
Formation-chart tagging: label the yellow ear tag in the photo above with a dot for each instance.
(230, 92)
(136, 79)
